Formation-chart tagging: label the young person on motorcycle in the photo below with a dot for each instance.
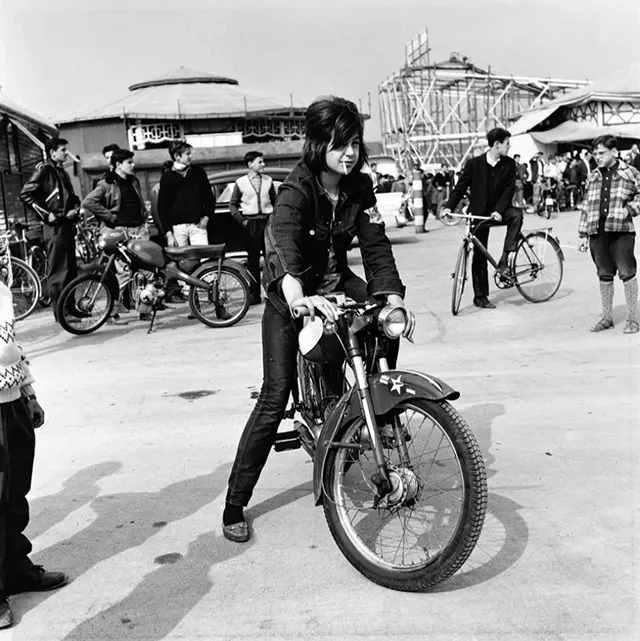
(323, 204)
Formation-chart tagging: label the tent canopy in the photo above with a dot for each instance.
(186, 93)
(621, 86)
(571, 131)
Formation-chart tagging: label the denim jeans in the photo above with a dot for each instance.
(279, 352)
(613, 252)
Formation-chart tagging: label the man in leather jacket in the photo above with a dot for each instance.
(50, 194)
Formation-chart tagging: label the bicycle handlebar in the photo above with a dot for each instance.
(470, 216)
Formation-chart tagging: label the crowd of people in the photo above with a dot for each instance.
(304, 231)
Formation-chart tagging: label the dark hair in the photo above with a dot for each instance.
(250, 156)
(516, 156)
(609, 142)
(166, 165)
(329, 124)
(178, 147)
(497, 134)
(120, 155)
(111, 147)
(53, 144)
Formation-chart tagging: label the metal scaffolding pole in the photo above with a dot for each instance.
(440, 112)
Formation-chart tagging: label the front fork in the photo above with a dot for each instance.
(381, 478)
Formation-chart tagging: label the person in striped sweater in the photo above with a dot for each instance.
(20, 415)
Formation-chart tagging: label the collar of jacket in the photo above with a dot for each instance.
(622, 170)
(302, 177)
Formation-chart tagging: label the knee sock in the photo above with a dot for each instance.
(232, 514)
(631, 297)
(606, 295)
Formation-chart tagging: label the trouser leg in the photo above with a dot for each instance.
(61, 256)
(479, 272)
(512, 218)
(280, 347)
(19, 456)
(255, 245)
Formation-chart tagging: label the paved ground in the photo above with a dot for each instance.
(132, 465)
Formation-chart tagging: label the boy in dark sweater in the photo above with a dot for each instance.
(185, 200)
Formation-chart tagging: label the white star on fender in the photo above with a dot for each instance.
(396, 385)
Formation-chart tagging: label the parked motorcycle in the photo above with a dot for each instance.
(218, 294)
(397, 470)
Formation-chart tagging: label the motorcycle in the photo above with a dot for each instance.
(218, 293)
(398, 472)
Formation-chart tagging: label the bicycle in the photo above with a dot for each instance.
(30, 250)
(535, 268)
(21, 279)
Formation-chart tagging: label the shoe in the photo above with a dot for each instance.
(631, 327)
(145, 316)
(37, 579)
(483, 303)
(237, 532)
(191, 316)
(222, 313)
(161, 307)
(602, 324)
(6, 616)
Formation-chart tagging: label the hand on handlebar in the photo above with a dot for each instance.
(171, 240)
(309, 305)
(496, 216)
(445, 211)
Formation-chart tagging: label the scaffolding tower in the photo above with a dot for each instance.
(439, 113)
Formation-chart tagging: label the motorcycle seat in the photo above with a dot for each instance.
(195, 252)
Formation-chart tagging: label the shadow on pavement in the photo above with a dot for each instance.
(124, 521)
(78, 490)
(505, 533)
(167, 595)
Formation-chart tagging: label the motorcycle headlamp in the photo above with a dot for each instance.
(392, 321)
(102, 243)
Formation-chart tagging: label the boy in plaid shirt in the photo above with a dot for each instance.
(612, 200)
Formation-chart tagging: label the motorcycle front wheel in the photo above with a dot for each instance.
(85, 304)
(424, 530)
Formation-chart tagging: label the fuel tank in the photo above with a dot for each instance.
(147, 252)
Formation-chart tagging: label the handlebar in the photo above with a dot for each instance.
(470, 216)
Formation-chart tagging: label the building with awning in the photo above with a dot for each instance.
(22, 136)
(221, 119)
(609, 106)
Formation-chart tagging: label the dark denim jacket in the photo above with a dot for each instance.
(298, 236)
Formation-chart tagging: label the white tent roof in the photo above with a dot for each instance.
(186, 93)
(621, 86)
(12, 108)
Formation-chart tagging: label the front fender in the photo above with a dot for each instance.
(387, 391)
(240, 268)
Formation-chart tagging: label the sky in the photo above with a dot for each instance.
(61, 56)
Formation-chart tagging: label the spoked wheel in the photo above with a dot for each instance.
(227, 307)
(25, 288)
(459, 278)
(38, 262)
(85, 305)
(425, 529)
(537, 267)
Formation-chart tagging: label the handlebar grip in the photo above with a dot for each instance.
(299, 312)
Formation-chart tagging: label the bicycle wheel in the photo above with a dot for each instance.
(39, 263)
(459, 277)
(537, 267)
(85, 304)
(425, 529)
(25, 288)
(231, 303)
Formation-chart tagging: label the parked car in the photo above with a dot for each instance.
(222, 227)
